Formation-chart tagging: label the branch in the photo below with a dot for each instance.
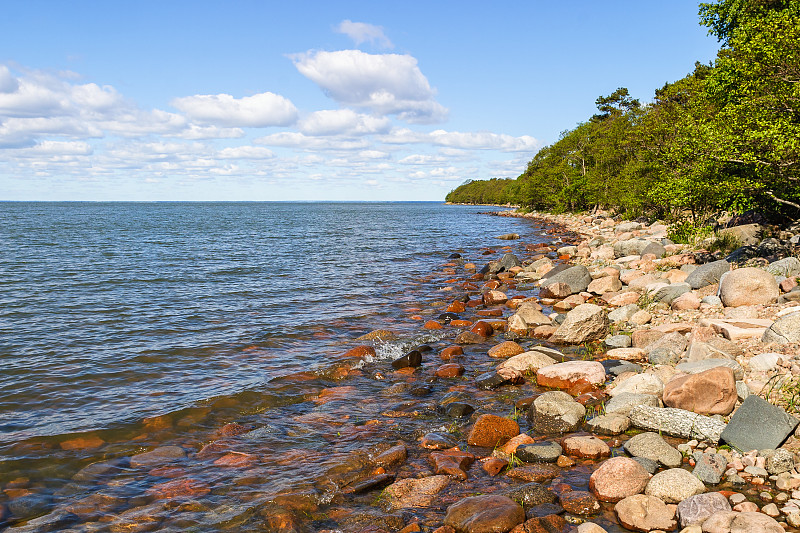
(782, 201)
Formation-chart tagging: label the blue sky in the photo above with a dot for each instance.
(311, 100)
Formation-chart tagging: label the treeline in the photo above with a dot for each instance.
(725, 137)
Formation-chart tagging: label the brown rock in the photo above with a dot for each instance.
(451, 370)
(623, 299)
(642, 338)
(488, 513)
(412, 492)
(482, 328)
(645, 513)
(506, 349)
(452, 462)
(712, 392)
(460, 323)
(589, 447)
(604, 285)
(494, 465)
(585, 323)
(359, 352)
(491, 430)
(393, 456)
(618, 478)
(456, 307)
(178, 488)
(490, 312)
(579, 502)
(744, 522)
(511, 446)
(544, 332)
(468, 337)
(237, 460)
(378, 334)
(82, 443)
(494, 298)
(432, 324)
(627, 354)
(450, 352)
(687, 300)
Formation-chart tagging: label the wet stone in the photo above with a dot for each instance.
(411, 492)
(491, 430)
(579, 502)
(494, 465)
(437, 441)
(393, 456)
(531, 494)
(458, 409)
(545, 509)
(538, 473)
(371, 483)
(29, 505)
(540, 452)
(491, 380)
(452, 462)
(411, 359)
(484, 514)
(159, 456)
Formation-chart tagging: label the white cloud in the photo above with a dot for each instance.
(56, 148)
(195, 132)
(292, 139)
(257, 111)
(343, 122)
(387, 84)
(462, 140)
(245, 152)
(362, 32)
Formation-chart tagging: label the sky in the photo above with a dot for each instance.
(312, 101)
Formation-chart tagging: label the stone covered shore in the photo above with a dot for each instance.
(680, 398)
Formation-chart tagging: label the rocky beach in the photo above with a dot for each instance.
(605, 379)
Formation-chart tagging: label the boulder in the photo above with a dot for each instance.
(487, 513)
(748, 286)
(604, 285)
(413, 492)
(585, 323)
(758, 425)
(695, 509)
(652, 446)
(538, 452)
(704, 365)
(786, 329)
(617, 478)
(527, 362)
(674, 485)
(589, 447)
(579, 502)
(624, 313)
(707, 274)
(670, 293)
(787, 267)
(577, 277)
(555, 412)
(609, 424)
(677, 422)
(531, 494)
(627, 354)
(712, 392)
(640, 384)
(645, 513)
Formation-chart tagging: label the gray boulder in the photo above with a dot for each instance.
(757, 425)
(624, 313)
(652, 446)
(670, 292)
(677, 422)
(555, 412)
(788, 267)
(656, 249)
(577, 277)
(784, 330)
(707, 274)
(695, 509)
(710, 467)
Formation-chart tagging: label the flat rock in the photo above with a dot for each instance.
(748, 286)
(555, 412)
(617, 478)
(414, 492)
(677, 422)
(712, 392)
(617, 341)
(157, 457)
(589, 447)
(645, 513)
(609, 424)
(739, 328)
(527, 362)
(674, 485)
(652, 446)
(627, 354)
(704, 365)
(695, 509)
(491, 430)
(531, 494)
(537, 473)
(488, 513)
(639, 384)
(758, 425)
(746, 522)
(567, 374)
(585, 323)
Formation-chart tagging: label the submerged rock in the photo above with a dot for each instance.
(484, 514)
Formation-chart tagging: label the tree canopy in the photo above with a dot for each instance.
(724, 137)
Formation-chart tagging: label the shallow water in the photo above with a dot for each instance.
(124, 327)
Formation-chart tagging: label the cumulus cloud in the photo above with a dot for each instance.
(8, 84)
(292, 139)
(257, 111)
(362, 32)
(343, 122)
(463, 140)
(245, 152)
(56, 148)
(387, 84)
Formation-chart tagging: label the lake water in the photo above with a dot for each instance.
(129, 326)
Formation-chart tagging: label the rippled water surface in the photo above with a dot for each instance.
(111, 312)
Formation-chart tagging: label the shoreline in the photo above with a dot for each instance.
(448, 425)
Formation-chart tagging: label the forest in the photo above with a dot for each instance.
(724, 138)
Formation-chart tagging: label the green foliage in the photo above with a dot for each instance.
(725, 242)
(724, 137)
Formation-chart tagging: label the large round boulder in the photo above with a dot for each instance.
(748, 286)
